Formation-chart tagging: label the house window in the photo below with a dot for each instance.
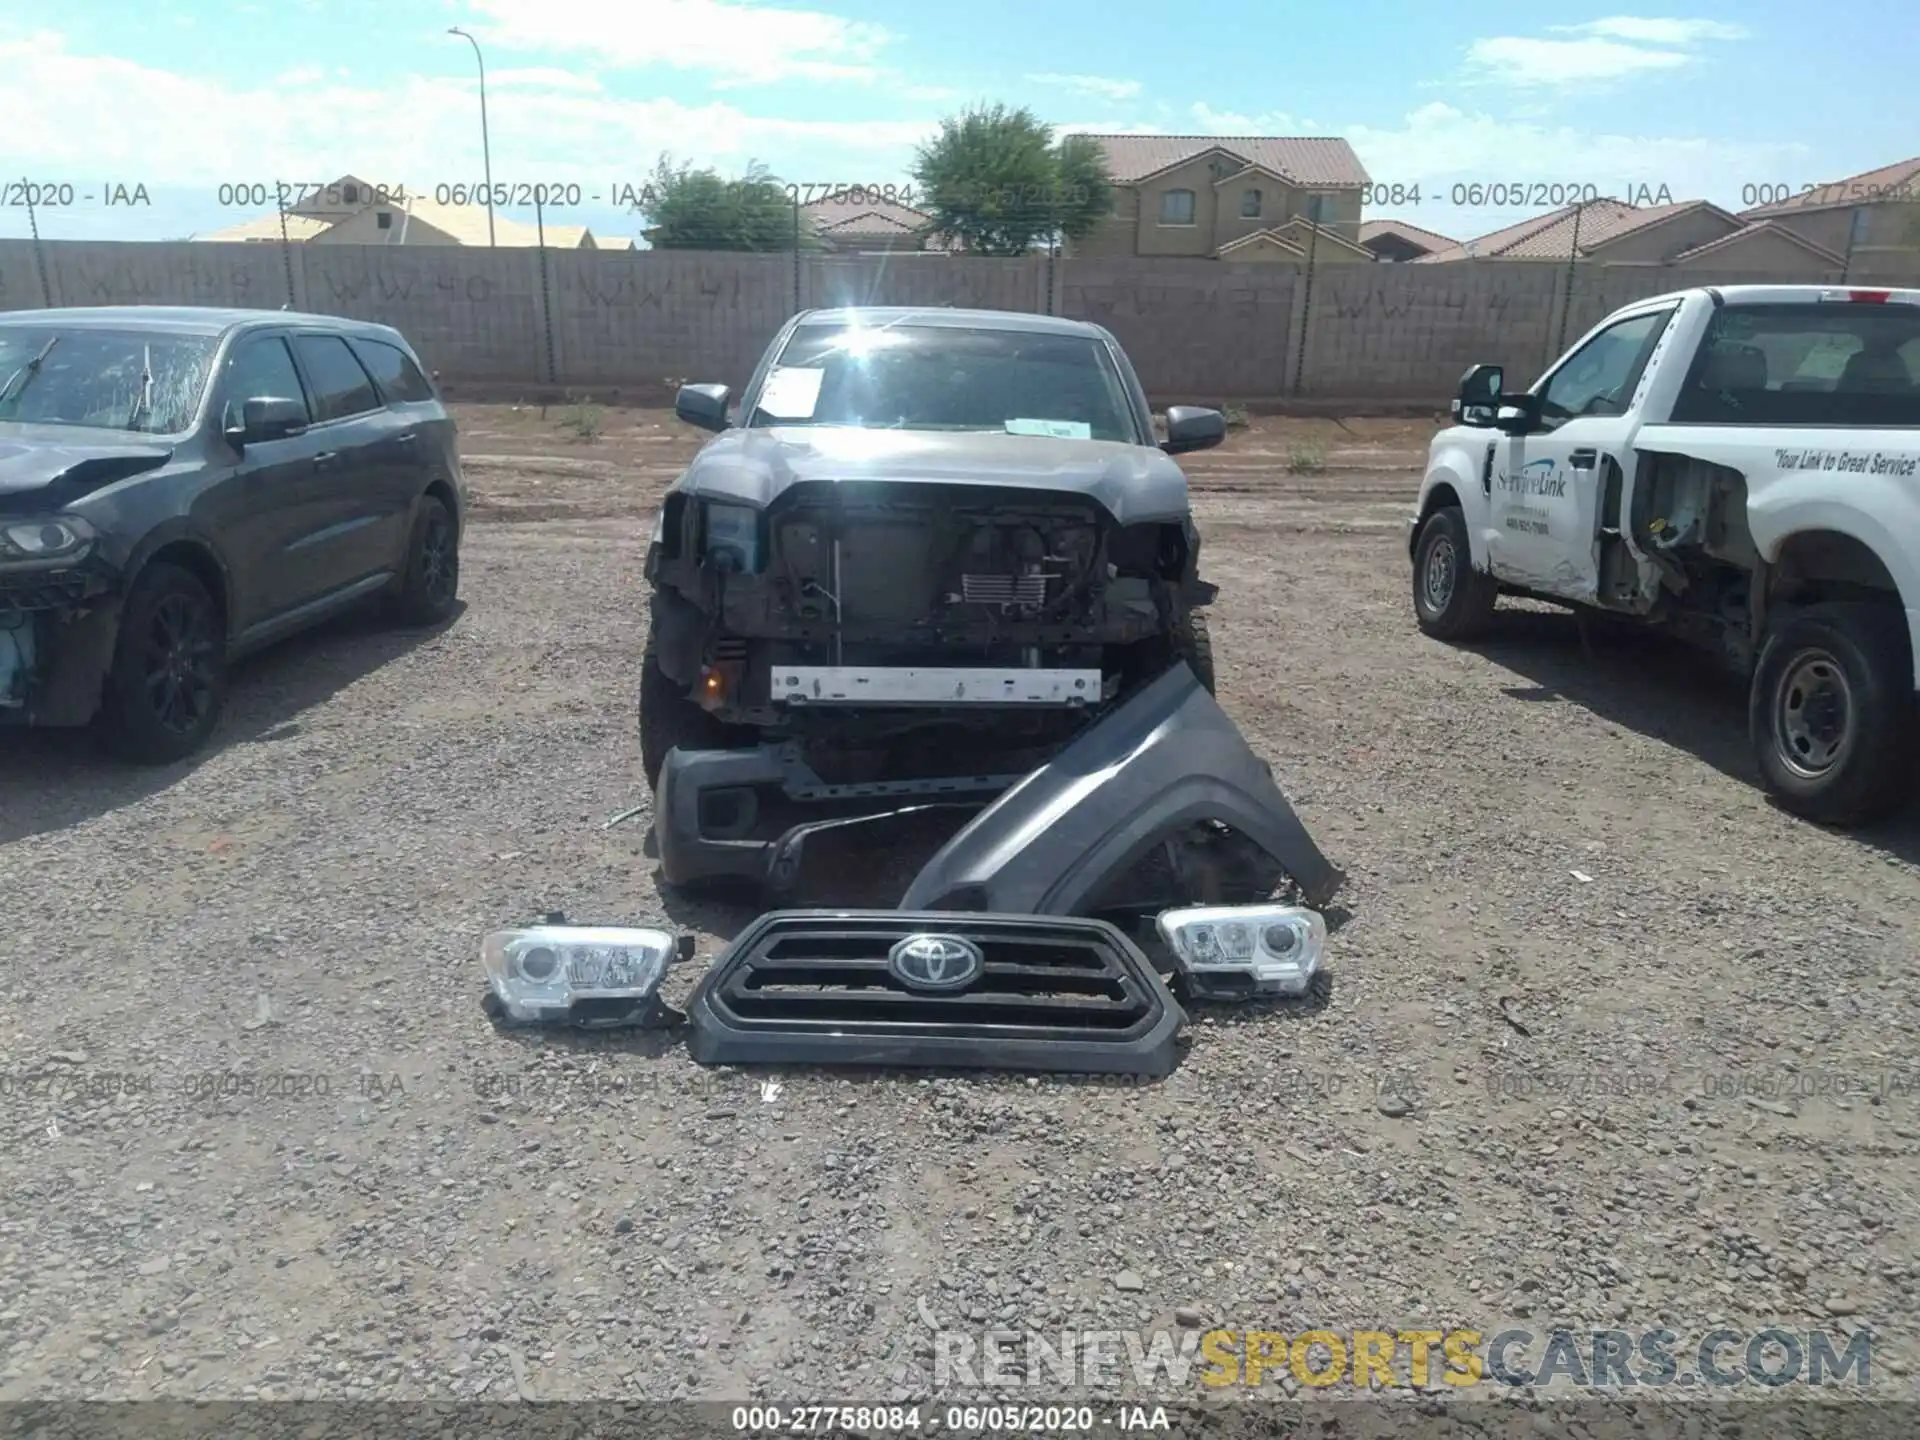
(1250, 205)
(1318, 207)
(1176, 207)
(350, 194)
(384, 220)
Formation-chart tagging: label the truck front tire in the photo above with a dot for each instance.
(670, 718)
(1830, 712)
(1451, 600)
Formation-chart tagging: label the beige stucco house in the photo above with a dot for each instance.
(1871, 219)
(352, 212)
(1397, 241)
(859, 225)
(1230, 198)
(1863, 224)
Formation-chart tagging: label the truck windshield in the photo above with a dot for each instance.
(944, 377)
(145, 381)
(1826, 364)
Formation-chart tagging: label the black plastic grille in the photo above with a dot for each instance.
(1042, 978)
(43, 591)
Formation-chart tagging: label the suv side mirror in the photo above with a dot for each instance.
(1478, 399)
(1190, 427)
(268, 417)
(702, 405)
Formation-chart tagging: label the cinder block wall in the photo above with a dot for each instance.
(1196, 329)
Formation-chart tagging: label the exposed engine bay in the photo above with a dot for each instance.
(1689, 519)
(865, 578)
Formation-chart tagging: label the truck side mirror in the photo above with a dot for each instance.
(1517, 414)
(1479, 396)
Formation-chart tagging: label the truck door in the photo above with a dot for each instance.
(1544, 487)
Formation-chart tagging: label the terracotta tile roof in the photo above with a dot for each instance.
(869, 223)
(1305, 160)
(878, 219)
(1898, 183)
(1761, 227)
(1551, 236)
(1412, 234)
(267, 227)
(467, 224)
(1263, 237)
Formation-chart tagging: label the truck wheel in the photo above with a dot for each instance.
(168, 680)
(1194, 645)
(669, 718)
(1451, 600)
(1830, 712)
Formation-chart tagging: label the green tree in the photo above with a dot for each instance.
(996, 183)
(699, 209)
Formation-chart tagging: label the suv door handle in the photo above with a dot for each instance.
(325, 459)
(408, 438)
(1584, 459)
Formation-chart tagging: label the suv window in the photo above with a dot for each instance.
(1599, 378)
(340, 385)
(400, 379)
(1831, 363)
(259, 369)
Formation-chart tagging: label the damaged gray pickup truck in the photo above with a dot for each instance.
(940, 561)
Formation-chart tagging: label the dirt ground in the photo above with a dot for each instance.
(1610, 1041)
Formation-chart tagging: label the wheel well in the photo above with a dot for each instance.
(1817, 566)
(1438, 498)
(442, 491)
(198, 561)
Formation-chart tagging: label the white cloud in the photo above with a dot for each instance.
(1229, 122)
(1656, 32)
(1600, 51)
(541, 78)
(93, 115)
(1097, 85)
(738, 43)
(1107, 127)
(1438, 146)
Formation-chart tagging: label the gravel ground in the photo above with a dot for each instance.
(1609, 1041)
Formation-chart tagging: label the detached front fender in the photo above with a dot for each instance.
(1149, 771)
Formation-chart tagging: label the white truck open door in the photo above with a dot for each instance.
(1544, 488)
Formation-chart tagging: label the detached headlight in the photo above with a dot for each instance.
(733, 537)
(1237, 950)
(48, 539)
(577, 974)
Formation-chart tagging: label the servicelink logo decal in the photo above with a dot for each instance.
(1536, 477)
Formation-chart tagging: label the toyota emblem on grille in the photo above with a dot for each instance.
(936, 962)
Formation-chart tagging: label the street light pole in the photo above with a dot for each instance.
(486, 151)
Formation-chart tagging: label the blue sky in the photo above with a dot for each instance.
(1711, 100)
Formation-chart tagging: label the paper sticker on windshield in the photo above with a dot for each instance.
(1054, 429)
(791, 392)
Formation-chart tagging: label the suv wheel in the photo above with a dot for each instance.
(1830, 712)
(1451, 600)
(168, 679)
(430, 584)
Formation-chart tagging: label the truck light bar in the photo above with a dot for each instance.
(1863, 297)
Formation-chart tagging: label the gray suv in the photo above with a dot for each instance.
(181, 486)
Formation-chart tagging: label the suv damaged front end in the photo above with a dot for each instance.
(59, 578)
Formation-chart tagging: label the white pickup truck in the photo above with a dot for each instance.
(1740, 466)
